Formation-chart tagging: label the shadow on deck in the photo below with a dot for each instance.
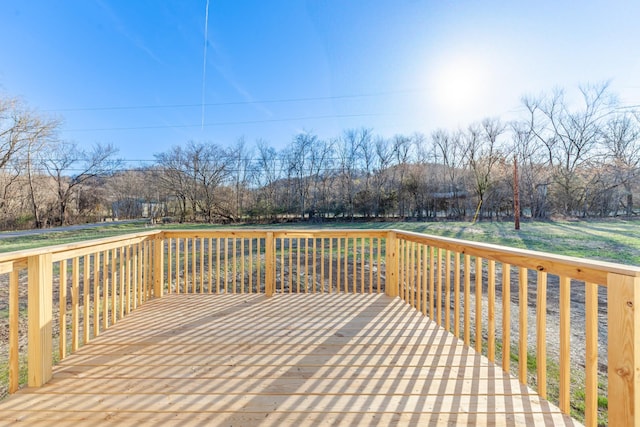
(286, 360)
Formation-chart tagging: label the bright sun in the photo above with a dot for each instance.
(460, 84)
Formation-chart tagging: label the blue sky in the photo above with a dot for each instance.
(130, 72)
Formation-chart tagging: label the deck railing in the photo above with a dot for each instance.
(481, 293)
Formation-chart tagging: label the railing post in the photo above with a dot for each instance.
(391, 262)
(623, 350)
(40, 312)
(158, 267)
(270, 267)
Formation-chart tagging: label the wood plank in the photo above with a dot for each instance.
(294, 418)
(311, 358)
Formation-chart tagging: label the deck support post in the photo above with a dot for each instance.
(391, 262)
(623, 350)
(158, 266)
(270, 271)
(40, 312)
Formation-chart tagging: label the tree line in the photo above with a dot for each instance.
(573, 159)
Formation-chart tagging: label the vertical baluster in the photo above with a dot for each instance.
(194, 270)
(456, 294)
(425, 281)
(314, 261)
(62, 305)
(140, 272)
(290, 242)
(218, 251)
(234, 262)
(75, 284)
(432, 283)
(259, 263)
(243, 270)
(283, 268)
(14, 321)
(169, 264)
(96, 294)
(251, 267)
(346, 264)
(362, 248)
(412, 274)
(127, 279)
(330, 258)
(185, 265)
(419, 268)
(565, 336)
(135, 273)
(467, 300)
(105, 289)
(379, 264)
(491, 296)
(522, 333)
(177, 264)
(371, 265)
(307, 275)
(478, 284)
(591, 383)
(121, 282)
(86, 316)
(338, 264)
(322, 261)
(447, 291)
(114, 300)
(506, 317)
(439, 285)
(541, 330)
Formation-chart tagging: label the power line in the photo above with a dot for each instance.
(246, 122)
(230, 103)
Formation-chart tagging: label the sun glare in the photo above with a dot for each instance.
(460, 84)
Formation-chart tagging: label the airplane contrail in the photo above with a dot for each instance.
(204, 63)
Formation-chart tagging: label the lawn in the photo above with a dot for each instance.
(609, 240)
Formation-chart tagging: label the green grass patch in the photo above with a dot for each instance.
(607, 240)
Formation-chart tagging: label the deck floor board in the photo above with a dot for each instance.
(287, 360)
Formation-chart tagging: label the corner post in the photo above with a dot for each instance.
(158, 266)
(270, 270)
(623, 349)
(40, 312)
(391, 261)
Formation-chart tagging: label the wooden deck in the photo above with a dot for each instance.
(237, 360)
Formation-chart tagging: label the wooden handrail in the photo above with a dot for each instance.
(623, 328)
(460, 284)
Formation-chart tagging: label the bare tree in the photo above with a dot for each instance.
(174, 177)
(22, 135)
(241, 171)
(63, 158)
(571, 138)
(306, 157)
(482, 155)
(450, 152)
(349, 152)
(402, 151)
(533, 169)
(621, 138)
(383, 160)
